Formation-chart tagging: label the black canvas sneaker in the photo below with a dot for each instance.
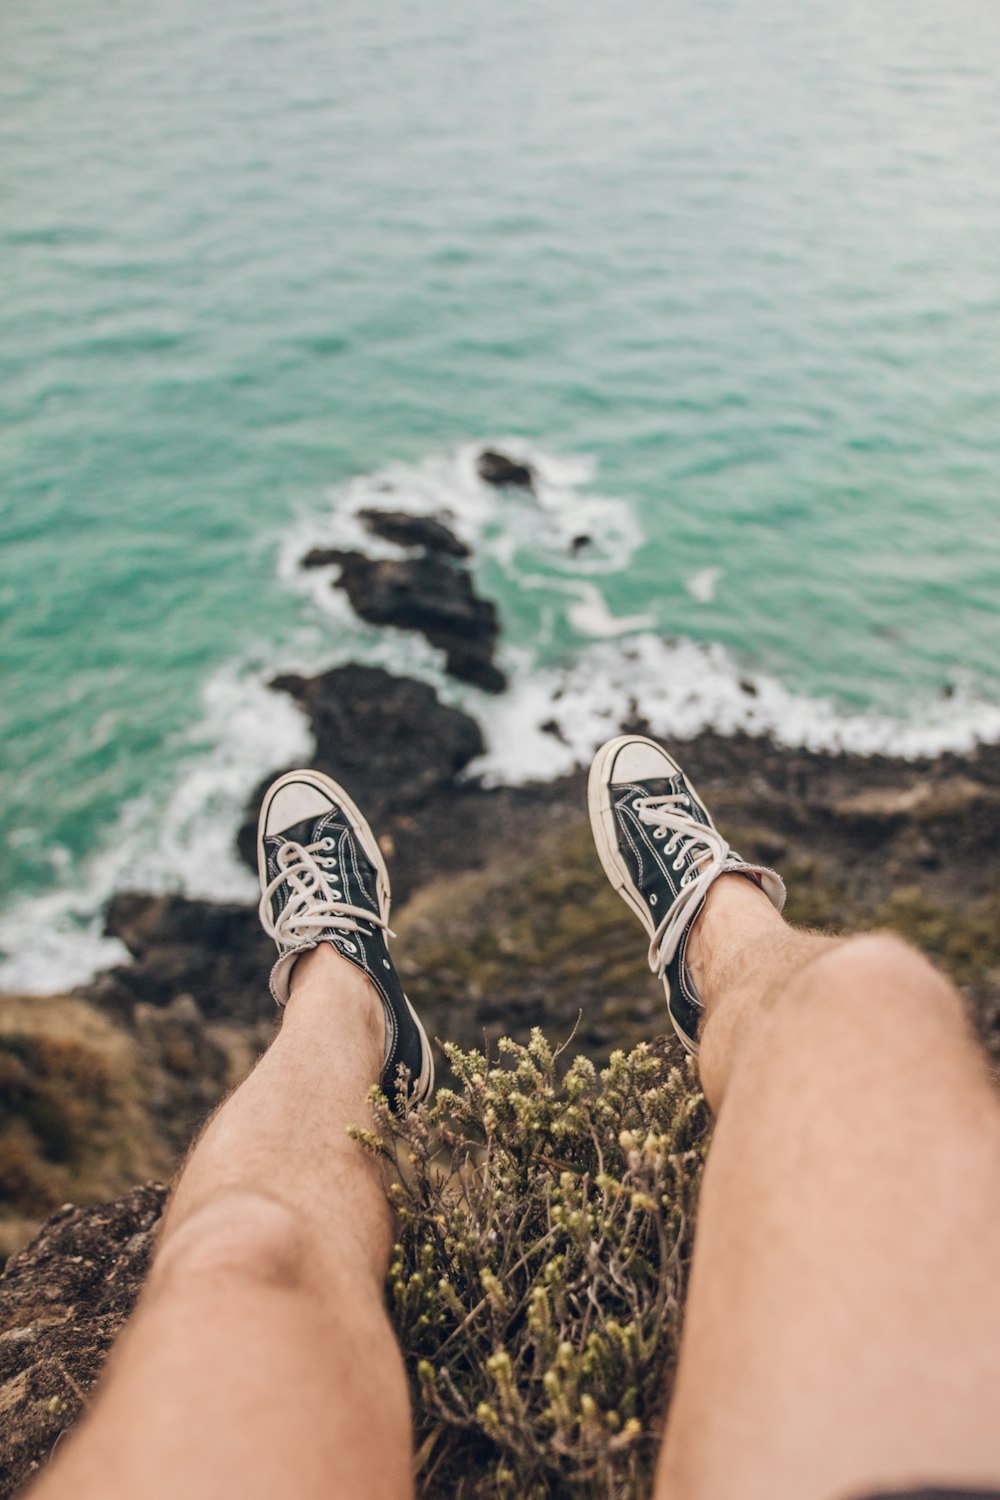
(324, 880)
(662, 852)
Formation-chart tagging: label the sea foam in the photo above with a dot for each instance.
(547, 723)
(184, 843)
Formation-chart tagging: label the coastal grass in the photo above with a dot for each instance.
(545, 1227)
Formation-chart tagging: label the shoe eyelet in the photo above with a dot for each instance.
(336, 896)
(327, 843)
(349, 948)
(386, 964)
(637, 802)
(678, 864)
(659, 833)
(653, 900)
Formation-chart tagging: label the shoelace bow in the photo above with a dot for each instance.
(311, 906)
(688, 837)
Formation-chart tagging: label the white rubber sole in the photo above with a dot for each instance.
(602, 823)
(332, 789)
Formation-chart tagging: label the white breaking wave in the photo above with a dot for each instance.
(589, 614)
(682, 687)
(703, 584)
(183, 841)
(561, 522)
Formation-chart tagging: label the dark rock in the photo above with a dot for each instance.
(63, 1299)
(635, 722)
(580, 543)
(497, 468)
(322, 557)
(428, 594)
(468, 666)
(391, 739)
(926, 855)
(406, 530)
(399, 750)
(770, 847)
(215, 952)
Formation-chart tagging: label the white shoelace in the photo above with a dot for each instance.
(687, 837)
(312, 906)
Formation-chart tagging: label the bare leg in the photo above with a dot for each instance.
(843, 1322)
(260, 1361)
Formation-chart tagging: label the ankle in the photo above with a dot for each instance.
(323, 980)
(746, 979)
(736, 916)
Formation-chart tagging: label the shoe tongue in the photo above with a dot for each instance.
(361, 887)
(661, 786)
(309, 831)
(669, 786)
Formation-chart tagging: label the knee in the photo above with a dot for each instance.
(871, 1000)
(878, 980)
(240, 1235)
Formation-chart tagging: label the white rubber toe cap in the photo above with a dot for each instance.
(640, 760)
(293, 803)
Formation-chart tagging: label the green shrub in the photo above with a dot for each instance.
(545, 1224)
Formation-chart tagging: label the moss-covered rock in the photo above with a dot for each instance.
(74, 1122)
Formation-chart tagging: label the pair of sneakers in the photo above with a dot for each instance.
(324, 880)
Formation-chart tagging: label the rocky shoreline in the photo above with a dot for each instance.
(505, 921)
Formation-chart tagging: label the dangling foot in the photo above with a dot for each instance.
(323, 880)
(662, 852)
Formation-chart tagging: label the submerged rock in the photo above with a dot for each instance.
(506, 473)
(406, 530)
(430, 595)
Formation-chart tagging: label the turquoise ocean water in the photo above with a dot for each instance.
(729, 274)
